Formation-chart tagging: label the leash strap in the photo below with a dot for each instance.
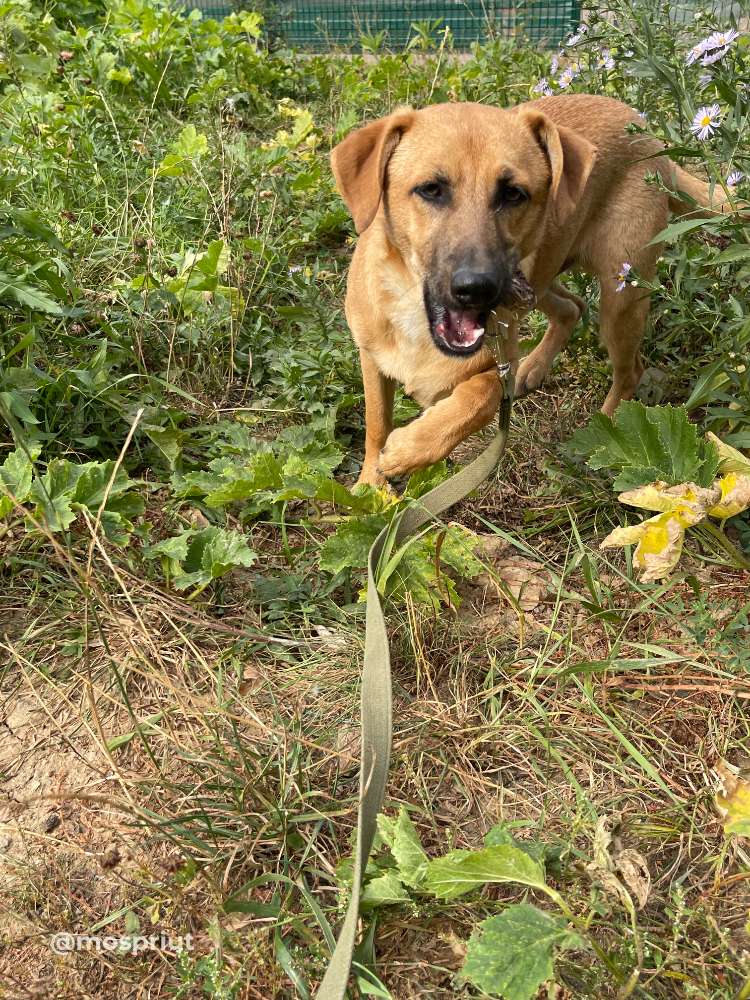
(376, 708)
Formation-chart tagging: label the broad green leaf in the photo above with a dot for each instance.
(645, 444)
(511, 955)
(202, 556)
(461, 871)
(175, 548)
(349, 546)
(223, 550)
(15, 479)
(385, 890)
(184, 152)
(500, 836)
(27, 295)
(53, 494)
(120, 75)
(406, 848)
(168, 440)
(739, 251)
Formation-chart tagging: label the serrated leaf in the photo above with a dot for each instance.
(210, 554)
(461, 871)
(53, 494)
(27, 295)
(406, 848)
(511, 954)
(349, 546)
(647, 443)
(187, 149)
(15, 476)
(385, 890)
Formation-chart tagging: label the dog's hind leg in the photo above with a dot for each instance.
(622, 321)
(563, 310)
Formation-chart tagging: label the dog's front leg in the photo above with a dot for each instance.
(442, 426)
(379, 394)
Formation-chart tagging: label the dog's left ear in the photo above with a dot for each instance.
(359, 163)
(570, 157)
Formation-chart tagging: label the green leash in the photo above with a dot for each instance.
(376, 709)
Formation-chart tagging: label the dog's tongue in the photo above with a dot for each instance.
(460, 329)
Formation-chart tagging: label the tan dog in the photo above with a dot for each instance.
(449, 201)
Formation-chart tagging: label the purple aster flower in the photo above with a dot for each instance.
(568, 76)
(623, 276)
(706, 121)
(575, 38)
(628, 54)
(554, 64)
(704, 79)
(736, 177)
(605, 60)
(542, 87)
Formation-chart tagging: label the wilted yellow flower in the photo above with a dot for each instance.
(659, 539)
(659, 496)
(733, 802)
(735, 495)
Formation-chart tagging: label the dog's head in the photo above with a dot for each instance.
(463, 191)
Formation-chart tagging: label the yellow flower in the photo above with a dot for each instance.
(659, 496)
(659, 539)
(735, 495)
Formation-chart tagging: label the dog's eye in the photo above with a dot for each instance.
(433, 191)
(510, 194)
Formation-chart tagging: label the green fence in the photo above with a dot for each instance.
(321, 24)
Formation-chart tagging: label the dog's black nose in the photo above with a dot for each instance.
(474, 288)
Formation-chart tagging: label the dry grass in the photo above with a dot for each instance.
(235, 759)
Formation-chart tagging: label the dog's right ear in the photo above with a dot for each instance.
(359, 163)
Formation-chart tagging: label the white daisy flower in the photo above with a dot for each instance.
(697, 51)
(720, 39)
(706, 121)
(713, 57)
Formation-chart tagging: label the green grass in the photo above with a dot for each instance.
(181, 755)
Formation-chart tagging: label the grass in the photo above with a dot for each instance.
(185, 761)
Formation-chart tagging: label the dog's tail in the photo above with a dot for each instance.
(695, 198)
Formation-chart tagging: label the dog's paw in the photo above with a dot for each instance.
(372, 476)
(532, 372)
(405, 452)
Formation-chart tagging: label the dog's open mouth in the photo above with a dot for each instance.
(461, 332)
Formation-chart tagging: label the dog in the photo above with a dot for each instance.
(450, 202)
